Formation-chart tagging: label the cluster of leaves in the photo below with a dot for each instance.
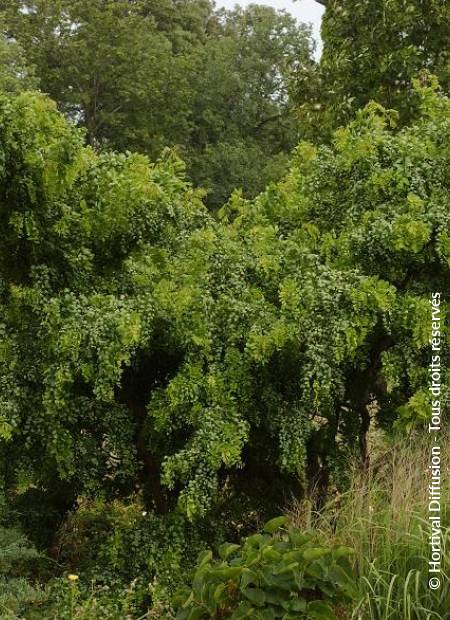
(383, 209)
(276, 574)
(69, 218)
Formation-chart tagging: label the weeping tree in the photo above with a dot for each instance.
(147, 345)
(70, 222)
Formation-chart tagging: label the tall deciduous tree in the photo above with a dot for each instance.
(109, 67)
(145, 342)
(244, 125)
(373, 49)
(143, 75)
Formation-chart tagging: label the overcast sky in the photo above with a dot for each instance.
(303, 10)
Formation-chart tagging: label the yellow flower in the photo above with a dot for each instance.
(72, 577)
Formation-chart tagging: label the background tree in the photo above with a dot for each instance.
(109, 68)
(15, 73)
(372, 50)
(144, 75)
(244, 125)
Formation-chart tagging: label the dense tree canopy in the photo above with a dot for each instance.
(147, 343)
(145, 75)
(244, 123)
(192, 336)
(372, 51)
(115, 67)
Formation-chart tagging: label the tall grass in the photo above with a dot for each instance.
(384, 516)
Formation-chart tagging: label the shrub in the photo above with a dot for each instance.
(17, 559)
(126, 554)
(280, 573)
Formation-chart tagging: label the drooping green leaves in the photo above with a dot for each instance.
(146, 342)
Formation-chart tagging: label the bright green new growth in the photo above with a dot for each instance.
(146, 343)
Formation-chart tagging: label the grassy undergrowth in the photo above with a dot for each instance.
(384, 517)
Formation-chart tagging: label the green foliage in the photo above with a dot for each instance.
(160, 364)
(71, 600)
(384, 515)
(121, 547)
(67, 225)
(15, 74)
(372, 51)
(18, 561)
(151, 344)
(244, 126)
(210, 82)
(82, 51)
(276, 574)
